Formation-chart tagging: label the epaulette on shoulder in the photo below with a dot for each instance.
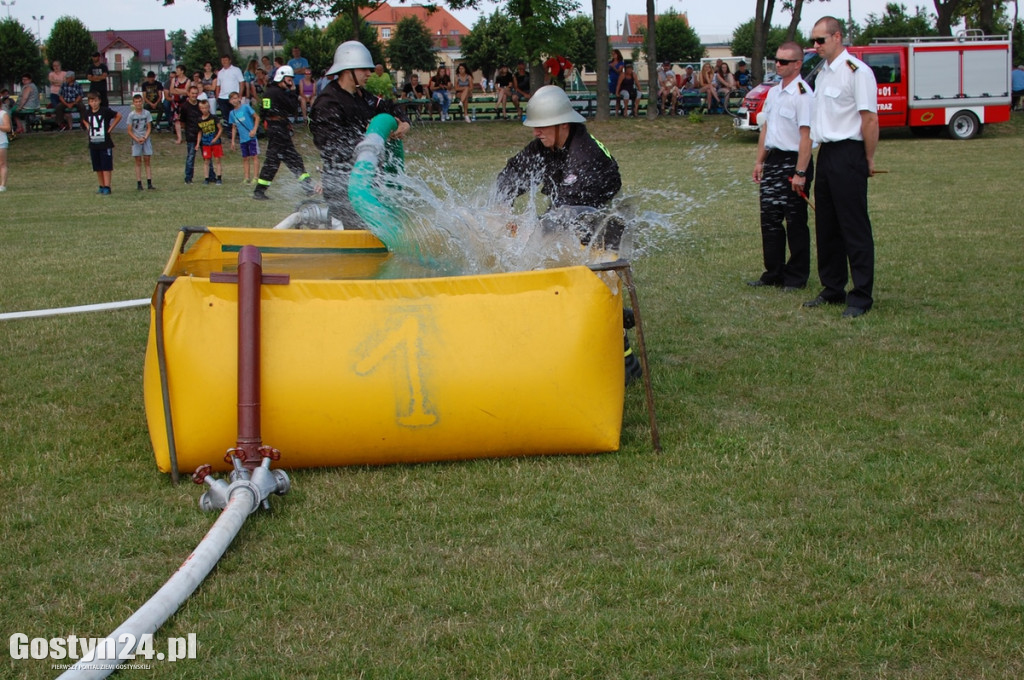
(853, 67)
(802, 88)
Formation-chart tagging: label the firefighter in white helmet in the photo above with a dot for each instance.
(572, 168)
(279, 103)
(338, 122)
(577, 173)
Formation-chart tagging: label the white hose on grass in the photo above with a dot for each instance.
(123, 641)
(56, 311)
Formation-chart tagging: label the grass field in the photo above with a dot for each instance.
(835, 498)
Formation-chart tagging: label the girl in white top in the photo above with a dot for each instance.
(463, 88)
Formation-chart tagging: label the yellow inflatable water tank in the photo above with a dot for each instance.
(363, 370)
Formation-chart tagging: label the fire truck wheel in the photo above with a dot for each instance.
(963, 125)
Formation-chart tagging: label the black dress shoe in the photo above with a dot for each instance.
(854, 312)
(819, 301)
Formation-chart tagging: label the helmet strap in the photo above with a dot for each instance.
(347, 80)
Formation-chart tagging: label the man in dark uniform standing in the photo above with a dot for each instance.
(845, 126)
(338, 122)
(784, 170)
(280, 102)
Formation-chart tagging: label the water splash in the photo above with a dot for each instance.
(465, 232)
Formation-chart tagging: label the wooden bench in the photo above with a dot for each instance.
(482, 107)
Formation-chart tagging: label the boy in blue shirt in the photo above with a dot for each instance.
(245, 121)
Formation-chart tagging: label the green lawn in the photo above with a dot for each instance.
(835, 498)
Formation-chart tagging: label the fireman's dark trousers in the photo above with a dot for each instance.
(279, 148)
(842, 225)
(780, 203)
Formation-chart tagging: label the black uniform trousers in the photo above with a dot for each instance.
(279, 148)
(842, 225)
(779, 202)
(335, 188)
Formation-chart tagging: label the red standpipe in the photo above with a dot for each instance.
(249, 449)
(250, 279)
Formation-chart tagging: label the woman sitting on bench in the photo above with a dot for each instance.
(463, 88)
(28, 104)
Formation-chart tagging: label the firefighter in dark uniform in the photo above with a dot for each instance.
(338, 121)
(280, 102)
(573, 169)
(576, 172)
(845, 127)
(784, 170)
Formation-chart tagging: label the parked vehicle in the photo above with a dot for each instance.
(958, 83)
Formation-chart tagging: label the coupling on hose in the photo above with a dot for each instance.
(259, 484)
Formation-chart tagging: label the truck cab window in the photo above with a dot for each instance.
(886, 67)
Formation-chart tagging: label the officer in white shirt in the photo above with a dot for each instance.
(845, 126)
(784, 169)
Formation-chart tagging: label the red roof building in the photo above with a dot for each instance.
(634, 23)
(445, 28)
(151, 47)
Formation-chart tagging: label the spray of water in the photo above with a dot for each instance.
(455, 231)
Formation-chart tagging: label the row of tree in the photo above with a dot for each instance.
(522, 29)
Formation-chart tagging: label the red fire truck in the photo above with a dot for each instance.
(957, 83)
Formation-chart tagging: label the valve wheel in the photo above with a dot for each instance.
(201, 473)
(270, 452)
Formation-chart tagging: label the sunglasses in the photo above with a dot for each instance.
(819, 41)
(785, 62)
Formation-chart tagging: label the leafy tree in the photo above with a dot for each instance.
(674, 38)
(491, 44)
(743, 39)
(579, 41)
(340, 30)
(1018, 41)
(537, 25)
(179, 42)
(946, 14)
(281, 12)
(761, 35)
(763, 11)
(132, 72)
(220, 10)
(988, 15)
(795, 7)
(896, 23)
(316, 47)
(19, 53)
(70, 44)
(411, 47)
(201, 49)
